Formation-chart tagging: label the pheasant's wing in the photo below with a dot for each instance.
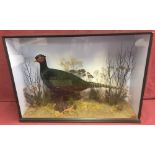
(61, 79)
(61, 83)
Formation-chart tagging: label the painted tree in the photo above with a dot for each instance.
(70, 64)
(75, 67)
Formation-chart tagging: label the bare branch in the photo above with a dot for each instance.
(119, 74)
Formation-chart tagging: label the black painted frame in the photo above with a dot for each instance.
(86, 120)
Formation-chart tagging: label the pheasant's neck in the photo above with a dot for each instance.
(43, 66)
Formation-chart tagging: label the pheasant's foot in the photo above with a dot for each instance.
(61, 105)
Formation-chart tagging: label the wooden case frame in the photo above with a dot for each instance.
(69, 120)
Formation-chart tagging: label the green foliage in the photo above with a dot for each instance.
(70, 101)
(32, 97)
(113, 98)
(36, 98)
(94, 94)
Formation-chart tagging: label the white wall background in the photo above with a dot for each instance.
(16, 61)
(137, 76)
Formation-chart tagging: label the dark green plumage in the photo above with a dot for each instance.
(60, 79)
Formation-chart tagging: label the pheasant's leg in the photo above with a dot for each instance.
(60, 104)
(65, 103)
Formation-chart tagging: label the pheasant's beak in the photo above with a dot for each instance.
(35, 60)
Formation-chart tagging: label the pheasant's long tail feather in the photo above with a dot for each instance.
(99, 85)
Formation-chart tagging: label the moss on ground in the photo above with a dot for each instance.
(82, 109)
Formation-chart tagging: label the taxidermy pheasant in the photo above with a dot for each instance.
(63, 84)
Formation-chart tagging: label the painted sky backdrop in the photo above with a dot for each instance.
(92, 51)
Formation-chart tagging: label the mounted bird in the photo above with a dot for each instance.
(63, 84)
